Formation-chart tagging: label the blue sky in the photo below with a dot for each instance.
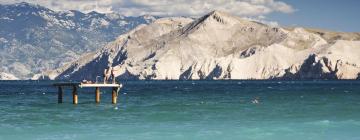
(337, 15)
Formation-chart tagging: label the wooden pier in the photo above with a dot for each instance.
(97, 86)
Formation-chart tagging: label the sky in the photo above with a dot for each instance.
(337, 15)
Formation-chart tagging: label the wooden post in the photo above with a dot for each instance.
(97, 95)
(60, 95)
(114, 95)
(75, 96)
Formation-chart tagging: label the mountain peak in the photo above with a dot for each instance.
(67, 33)
(95, 13)
(25, 7)
(26, 4)
(218, 13)
(219, 16)
(224, 18)
(216, 46)
(215, 19)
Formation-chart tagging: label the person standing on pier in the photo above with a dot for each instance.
(113, 75)
(107, 74)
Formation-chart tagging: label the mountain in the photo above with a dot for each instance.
(34, 38)
(221, 46)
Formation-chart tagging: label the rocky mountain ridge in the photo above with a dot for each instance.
(34, 39)
(221, 46)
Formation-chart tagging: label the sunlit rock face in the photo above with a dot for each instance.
(221, 46)
(7, 76)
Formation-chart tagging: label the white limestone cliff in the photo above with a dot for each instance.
(220, 46)
(7, 76)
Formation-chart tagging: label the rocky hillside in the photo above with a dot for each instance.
(6, 76)
(221, 46)
(34, 38)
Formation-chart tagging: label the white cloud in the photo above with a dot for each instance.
(168, 7)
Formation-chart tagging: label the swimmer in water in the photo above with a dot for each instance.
(255, 101)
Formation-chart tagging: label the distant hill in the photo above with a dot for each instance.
(6, 76)
(34, 38)
(221, 46)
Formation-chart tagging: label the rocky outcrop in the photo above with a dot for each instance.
(219, 46)
(7, 76)
(338, 61)
(313, 68)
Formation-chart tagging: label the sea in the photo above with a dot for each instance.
(184, 110)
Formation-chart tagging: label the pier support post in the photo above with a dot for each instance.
(114, 95)
(60, 95)
(75, 95)
(97, 95)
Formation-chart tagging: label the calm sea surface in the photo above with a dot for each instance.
(184, 110)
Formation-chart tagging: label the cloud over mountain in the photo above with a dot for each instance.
(168, 7)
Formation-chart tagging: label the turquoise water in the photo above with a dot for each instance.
(185, 110)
